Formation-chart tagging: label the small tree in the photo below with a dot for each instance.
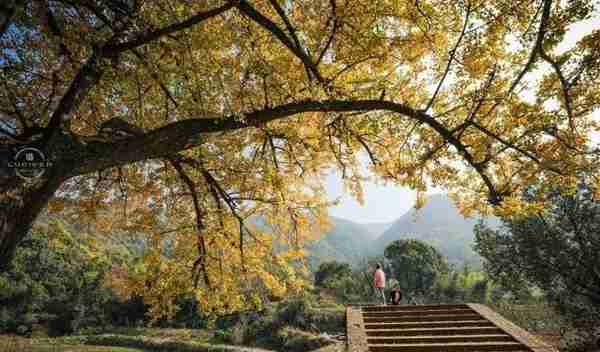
(416, 265)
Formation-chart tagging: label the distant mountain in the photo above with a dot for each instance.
(347, 241)
(375, 229)
(440, 224)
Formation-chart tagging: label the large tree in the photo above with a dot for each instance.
(183, 118)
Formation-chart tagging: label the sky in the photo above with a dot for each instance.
(386, 203)
(382, 203)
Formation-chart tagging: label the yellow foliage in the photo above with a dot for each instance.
(434, 92)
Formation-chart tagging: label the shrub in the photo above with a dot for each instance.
(580, 340)
(267, 328)
(294, 313)
(295, 340)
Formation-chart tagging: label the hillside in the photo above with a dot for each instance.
(375, 229)
(440, 224)
(348, 241)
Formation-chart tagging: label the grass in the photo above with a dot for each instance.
(337, 347)
(537, 318)
(19, 344)
(118, 343)
(146, 343)
(198, 335)
(66, 348)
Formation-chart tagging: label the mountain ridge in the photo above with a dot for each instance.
(438, 223)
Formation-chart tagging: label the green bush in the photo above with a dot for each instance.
(293, 313)
(295, 340)
(416, 264)
(266, 328)
(223, 335)
(301, 313)
(8, 322)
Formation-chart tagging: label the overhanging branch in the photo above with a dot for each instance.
(185, 134)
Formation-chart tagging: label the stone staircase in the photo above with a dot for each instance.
(433, 328)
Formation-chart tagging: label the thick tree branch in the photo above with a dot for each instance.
(142, 39)
(89, 74)
(288, 25)
(537, 47)
(57, 32)
(291, 30)
(270, 26)
(186, 134)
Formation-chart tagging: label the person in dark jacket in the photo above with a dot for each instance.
(395, 296)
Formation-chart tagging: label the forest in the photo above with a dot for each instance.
(163, 166)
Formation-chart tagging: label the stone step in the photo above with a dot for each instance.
(413, 312)
(414, 307)
(492, 330)
(439, 339)
(419, 318)
(451, 347)
(436, 328)
(430, 324)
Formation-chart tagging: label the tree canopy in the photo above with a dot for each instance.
(182, 119)
(416, 264)
(56, 279)
(555, 250)
(329, 272)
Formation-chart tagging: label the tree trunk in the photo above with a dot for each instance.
(20, 204)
